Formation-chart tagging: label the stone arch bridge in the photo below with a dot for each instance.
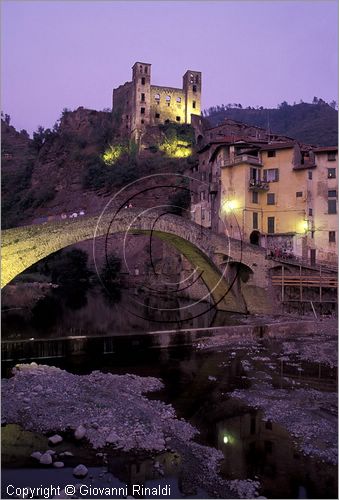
(235, 273)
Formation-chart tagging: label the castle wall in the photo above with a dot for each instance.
(123, 106)
(167, 103)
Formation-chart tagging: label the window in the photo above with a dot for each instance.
(270, 199)
(332, 193)
(310, 212)
(271, 175)
(299, 194)
(196, 79)
(268, 425)
(157, 115)
(168, 98)
(178, 99)
(142, 111)
(202, 214)
(142, 121)
(331, 156)
(143, 97)
(270, 225)
(331, 236)
(146, 70)
(157, 97)
(255, 220)
(332, 206)
(193, 104)
(194, 88)
(178, 118)
(310, 175)
(255, 197)
(143, 80)
(331, 173)
(271, 154)
(202, 195)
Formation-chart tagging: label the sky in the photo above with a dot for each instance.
(66, 54)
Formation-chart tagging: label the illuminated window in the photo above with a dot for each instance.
(331, 236)
(178, 118)
(143, 80)
(270, 225)
(168, 98)
(299, 194)
(193, 104)
(270, 199)
(157, 97)
(271, 175)
(331, 173)
(331, 156)
(255, 220)
(255, 197)
(271, 154)
(178, 99)
(142, 111)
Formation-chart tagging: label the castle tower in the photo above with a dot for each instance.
(141, 83)
(192, 90)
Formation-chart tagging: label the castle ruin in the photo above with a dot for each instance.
(137, 104)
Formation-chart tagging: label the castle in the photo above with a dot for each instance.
(137, 104)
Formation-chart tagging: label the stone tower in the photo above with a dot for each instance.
(141, 85)
(192, 90)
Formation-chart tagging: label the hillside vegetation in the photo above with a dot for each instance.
(315, 123)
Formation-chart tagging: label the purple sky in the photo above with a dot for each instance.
(72, 53)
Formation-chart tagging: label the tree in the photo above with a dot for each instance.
(333, 104)
(315, 100)
(39, 137)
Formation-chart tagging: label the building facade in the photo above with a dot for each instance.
(138, 103)
(278, 195)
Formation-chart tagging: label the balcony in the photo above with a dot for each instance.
(258, 185)
(252, 160)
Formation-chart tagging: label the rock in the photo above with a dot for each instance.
(36, 454)
(46, 459)
(50, 452)
(80, 432)
(55, 439)
(80, 471)
(58, 465)
(68, 454)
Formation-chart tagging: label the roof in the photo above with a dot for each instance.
(278, 145)
(229, 140)
(325, 149)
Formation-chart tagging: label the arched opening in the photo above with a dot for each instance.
(255, 237)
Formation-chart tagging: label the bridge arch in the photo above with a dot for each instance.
(24, 246)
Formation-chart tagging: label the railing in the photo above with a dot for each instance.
(240, 159)
(258, 185)
(305, 281)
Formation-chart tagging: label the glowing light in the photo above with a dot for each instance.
(229, 205)
(303, 226)
(175, 148)
(225, 439)
(113, 153)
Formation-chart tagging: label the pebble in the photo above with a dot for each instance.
(58, 465)
(46, 459)
(80, 471)
(36, 454)
(55, 439)
(80, 432)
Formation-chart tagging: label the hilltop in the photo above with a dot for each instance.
(315, 124)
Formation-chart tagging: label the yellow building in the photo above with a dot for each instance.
(269, 194)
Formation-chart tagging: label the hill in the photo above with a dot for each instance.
(315, 124)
